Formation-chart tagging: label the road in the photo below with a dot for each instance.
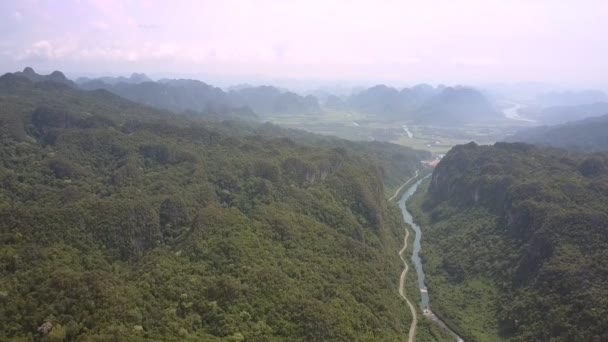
(412, 333)
(403, 186)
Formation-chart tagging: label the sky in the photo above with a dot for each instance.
(394, 41)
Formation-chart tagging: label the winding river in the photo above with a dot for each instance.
(424, 294)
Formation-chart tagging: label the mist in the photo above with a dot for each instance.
(314, 42)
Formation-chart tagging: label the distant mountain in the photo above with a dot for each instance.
(381, 100)
(180, 95)
(589, 135)
(55, 76)
(571, 98)
(563, 114)
(458, 105)
(135, 78)
(423, 103)
(271, 100)
(192, 98)
(192, 95)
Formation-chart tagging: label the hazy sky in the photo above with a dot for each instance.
(452, 41)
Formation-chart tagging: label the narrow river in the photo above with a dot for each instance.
(424, 294)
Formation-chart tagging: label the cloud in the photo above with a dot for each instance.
(280, 49)
(476, 61)
(148, 26)
(39, 51)
(100, 25)
(17, 15)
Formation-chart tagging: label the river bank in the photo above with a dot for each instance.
(424, 303)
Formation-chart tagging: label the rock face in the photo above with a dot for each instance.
(45, 328)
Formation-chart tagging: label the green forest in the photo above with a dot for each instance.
(515, 242)
(122, 222)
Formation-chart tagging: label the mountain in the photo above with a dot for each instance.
(119, 221)
(135, 78)
(515, 242)
(455, 105)
(563, 114)
(571, 98)
(192, 95)
(270, 100)
(425, 104)
(588, 135)
(379, 100)
(55, 76)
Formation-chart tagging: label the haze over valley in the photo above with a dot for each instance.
(303, 171)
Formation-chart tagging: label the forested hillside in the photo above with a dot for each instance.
(515, 243)
(122, 222)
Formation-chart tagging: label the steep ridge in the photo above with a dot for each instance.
(515, 242)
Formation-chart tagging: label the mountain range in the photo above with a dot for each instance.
(422, 103)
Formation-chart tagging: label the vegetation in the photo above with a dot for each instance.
(515, 242)
(122, 222)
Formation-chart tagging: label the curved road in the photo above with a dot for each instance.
(412, 333)
(402, 186)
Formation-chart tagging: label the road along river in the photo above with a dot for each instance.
(424, 294)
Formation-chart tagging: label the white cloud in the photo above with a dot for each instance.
(476, 61)
(100, 25)
(41, 50)
(17, 15)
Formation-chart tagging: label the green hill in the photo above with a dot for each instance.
(515, 240)
(122, 222)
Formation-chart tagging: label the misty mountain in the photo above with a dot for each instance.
(55, 76)
(380, 100)
(271, 100)
(457, 105)
(193, 95)
(197, 100)
(135, 78)
(589, 135)
(423, 103)
(571, 98)
(563, 114)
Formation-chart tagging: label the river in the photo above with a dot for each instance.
(513, 112)
(424, 294)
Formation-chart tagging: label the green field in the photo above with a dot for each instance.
(357, 126)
